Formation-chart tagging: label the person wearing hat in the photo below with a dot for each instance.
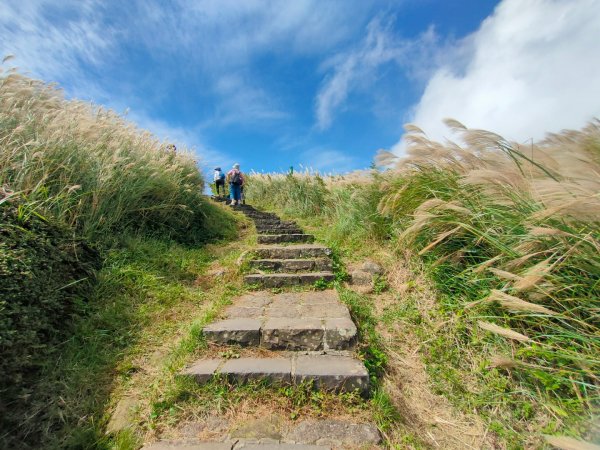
(219, 179)
(236, 181)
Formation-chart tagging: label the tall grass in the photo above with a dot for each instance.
(521, 225)
(91, 168)
(510, 234)
(347, 202)
(74, 179)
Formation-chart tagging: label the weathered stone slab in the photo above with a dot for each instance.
(287, 299)
(241, 311)
(267, 221)
(335, 373)
(238, 330)
(292, 334)
(292, 251)
(335, 432)
(372, 267)
(259, 428)
(323, 311)
(340, 333)
(254, 300)
(123, 415)
(284, 238)
(283, 311)
(248, 446)
(267, 230)
(260, 215)
(187, 445)
(274, 280)
(244, 369)
(202, 370)
(297, 265)
(327, 296)
(361, 278)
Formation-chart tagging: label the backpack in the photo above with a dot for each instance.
(222, 176)
(236, 178)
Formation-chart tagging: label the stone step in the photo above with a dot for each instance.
(290, 321)
(285, 238)
(282, 225)
(194, 444)
(292, 265)
(279, 231)
(325, 372)
(260, 214)
(272, 222)
(292, 251)
(275, 280)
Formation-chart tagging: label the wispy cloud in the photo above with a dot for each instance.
(50, 48)
(243, 103)
(328, 160)
(531, 68)
(357, 69)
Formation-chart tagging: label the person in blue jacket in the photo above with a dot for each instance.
(235, 179)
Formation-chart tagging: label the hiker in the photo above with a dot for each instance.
(236, 181)
(219, 179)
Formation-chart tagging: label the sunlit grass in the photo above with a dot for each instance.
(510, 235)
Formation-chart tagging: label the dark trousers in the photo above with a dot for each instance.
(220, 183)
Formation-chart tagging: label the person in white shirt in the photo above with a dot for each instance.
(219, 180)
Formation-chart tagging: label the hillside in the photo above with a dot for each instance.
(492, 269)
(446, 299)
(86, 199)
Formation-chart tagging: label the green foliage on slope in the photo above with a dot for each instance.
(509, 235)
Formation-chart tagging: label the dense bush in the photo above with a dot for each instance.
(45, 275)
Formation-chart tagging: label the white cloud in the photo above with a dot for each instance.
(241, 102)
(328, 161)
(532, 67)
(357, 68)
(51, 49)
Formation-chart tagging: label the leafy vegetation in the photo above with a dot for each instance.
(510, 236)
(81, 187)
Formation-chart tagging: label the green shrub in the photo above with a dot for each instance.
(45, 275)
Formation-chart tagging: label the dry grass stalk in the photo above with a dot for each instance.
(503, 362)
(546, 231)
(439, 239)
(534, 275)
(504, 274)
(516, 304)
(569, 443)
(504, 332)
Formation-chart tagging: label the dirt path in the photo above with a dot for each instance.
(428, 416)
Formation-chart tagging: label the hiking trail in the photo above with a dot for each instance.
(301, 337)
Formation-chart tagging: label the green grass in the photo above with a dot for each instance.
(139, 284)
(501, 234)
(81, 187)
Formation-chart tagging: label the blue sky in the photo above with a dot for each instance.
(315, 83)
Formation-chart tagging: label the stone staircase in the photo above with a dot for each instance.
(286, 256)
(311, 331)
(309, 335)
